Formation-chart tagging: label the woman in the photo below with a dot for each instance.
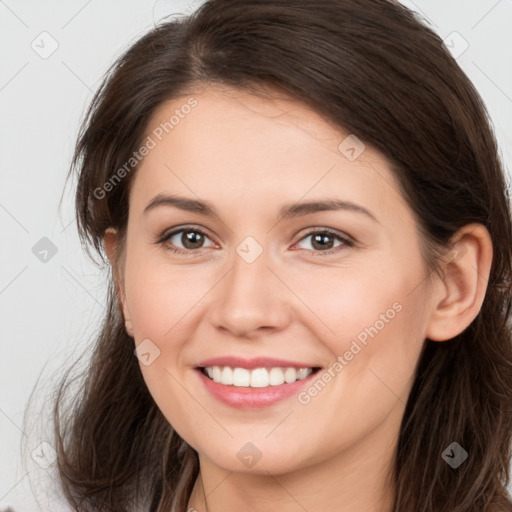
(310, 241)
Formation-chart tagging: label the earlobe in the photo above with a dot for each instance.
(462, 290)
(110, 243)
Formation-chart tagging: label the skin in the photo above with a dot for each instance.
(248, 156)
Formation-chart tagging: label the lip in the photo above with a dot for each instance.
(243, 397)
(258, 362)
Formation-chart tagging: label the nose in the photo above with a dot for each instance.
(251, 299)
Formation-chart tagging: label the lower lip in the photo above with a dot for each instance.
(247, 397)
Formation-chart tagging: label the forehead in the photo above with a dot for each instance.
(227, 116)
(231, 143)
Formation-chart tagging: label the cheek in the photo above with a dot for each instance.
(160, 300)
(374, 353)
(372, 325)
(158, 296)
(342, 302)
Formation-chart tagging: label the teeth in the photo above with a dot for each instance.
(256, 378)
(276, 376)
(226, 376)
(241, 377)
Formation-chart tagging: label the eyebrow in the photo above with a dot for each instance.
(287, 211)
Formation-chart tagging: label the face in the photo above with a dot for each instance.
(259, 280)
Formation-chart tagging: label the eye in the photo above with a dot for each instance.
(322, 244)
(192, 239)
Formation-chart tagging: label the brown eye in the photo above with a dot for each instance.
(185, 240)
(192, 239)
(322, 241)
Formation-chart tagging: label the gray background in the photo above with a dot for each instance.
(50, 309)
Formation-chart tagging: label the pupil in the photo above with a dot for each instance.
(193, 237)
(316, 238)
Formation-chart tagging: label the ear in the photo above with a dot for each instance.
(460, 295)
(111, 244)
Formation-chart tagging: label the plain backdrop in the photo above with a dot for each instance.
(51, 295)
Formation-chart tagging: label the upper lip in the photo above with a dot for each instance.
(257, 362)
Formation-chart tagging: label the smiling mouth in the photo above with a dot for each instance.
(256, 377)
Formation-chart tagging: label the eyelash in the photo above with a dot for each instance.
(347, 242)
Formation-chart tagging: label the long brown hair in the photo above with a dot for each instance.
(374, 69)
